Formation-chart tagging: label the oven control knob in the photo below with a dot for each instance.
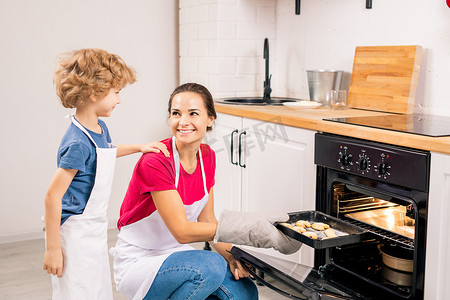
(382, 168)
(346, 159)
(363, 164)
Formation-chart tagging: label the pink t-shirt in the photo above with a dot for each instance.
(155, 172)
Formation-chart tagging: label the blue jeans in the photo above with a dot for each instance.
(199, 274)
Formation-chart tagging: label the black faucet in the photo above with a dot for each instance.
(267, 89)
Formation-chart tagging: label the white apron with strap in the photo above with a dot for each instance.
(86, 272)
(143, 246)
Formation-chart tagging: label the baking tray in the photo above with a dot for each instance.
(347, 233)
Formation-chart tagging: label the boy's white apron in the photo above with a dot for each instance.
(143, 246)
(86, 272)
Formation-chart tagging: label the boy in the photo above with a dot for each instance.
(76, 201)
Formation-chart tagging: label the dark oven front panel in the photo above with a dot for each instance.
(400, 166)
(383, 189)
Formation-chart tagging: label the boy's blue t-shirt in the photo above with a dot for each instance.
(76, 151)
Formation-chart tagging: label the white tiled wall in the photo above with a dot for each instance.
(222, 42)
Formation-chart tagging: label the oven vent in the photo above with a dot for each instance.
(393, 237)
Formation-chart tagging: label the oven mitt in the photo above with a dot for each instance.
(253, 229)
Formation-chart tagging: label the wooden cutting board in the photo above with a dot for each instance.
(384, 78)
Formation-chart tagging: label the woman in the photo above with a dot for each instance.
(165, 198)
(169, 203)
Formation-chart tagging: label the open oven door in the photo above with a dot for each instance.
(292, 280)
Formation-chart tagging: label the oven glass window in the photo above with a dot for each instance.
(391, 221)
(392, 215)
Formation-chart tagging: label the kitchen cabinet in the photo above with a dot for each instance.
(270, 168)
(280, 172)
(438, 240)
(227, 188)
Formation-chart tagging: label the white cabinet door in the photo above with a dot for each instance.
(437, 270)
(227, 188)
(279, 174)
(271, 171)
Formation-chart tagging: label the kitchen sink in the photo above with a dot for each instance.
(256, 100)
(266, 99)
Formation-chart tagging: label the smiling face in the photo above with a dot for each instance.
(104, 106)
(189, 118)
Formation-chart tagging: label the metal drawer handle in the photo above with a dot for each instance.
(240, 148)
(232, 146)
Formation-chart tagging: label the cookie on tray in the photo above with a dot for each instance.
(303, 223)
(320, 226)
(311, 234)
(299, 229)
(287, 225)
(330, 233)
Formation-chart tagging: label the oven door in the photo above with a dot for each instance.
(395, 217)
(293, 280)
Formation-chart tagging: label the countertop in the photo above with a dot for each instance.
(313, 119)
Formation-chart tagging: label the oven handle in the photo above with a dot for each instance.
(269, 285)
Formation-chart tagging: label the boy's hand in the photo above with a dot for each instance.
(155, 147)
(53, 262)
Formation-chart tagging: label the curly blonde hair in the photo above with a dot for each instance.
(85, 72)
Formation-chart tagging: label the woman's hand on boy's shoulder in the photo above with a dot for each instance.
(155, 147)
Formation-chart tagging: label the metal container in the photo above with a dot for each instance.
(321, 83)
(397, 258)
(396, 277)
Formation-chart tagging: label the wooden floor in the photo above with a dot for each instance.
(22, 276)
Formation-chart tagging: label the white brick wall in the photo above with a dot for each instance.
(221, 44)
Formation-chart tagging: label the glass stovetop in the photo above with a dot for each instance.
(428, 125)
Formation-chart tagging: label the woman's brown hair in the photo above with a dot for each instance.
(200, 90)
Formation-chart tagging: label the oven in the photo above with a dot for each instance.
(380, 189)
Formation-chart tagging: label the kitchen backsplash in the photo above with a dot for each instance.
(221, 44)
